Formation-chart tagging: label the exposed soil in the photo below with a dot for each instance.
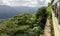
(47, 31)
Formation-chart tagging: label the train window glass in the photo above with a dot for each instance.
(58, 8)
(58, 5)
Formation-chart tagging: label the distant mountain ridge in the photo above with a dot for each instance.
(8, 12)
(26, 9)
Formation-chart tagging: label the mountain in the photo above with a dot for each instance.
(8, 12)
(22, 9)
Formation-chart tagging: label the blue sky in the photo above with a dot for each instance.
(29, 3)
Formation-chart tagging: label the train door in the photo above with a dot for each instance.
(58, 10)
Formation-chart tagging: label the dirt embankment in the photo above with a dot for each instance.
(47, 31)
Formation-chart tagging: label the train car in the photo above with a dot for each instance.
(56, 10)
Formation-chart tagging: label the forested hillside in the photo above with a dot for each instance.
(25, 24)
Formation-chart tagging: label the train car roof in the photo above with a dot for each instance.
(55, 1)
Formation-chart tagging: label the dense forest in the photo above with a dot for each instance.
(25, 24)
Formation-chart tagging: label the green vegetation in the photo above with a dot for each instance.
(25, 24)
(49, 9)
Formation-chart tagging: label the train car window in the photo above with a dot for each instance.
(58, 5)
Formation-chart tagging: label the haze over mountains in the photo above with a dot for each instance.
(8, 12)
(10, 8)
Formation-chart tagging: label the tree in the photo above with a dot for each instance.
(20, 25)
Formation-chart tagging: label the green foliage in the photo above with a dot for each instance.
(41, 12)
(25, 18)
(19, 23)
(40, 20)
(25, 24)
(42, 15)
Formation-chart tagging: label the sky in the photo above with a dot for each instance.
(29, 3)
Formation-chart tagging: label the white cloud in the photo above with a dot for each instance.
(1, 2)
(47, 1)
(29, 3)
